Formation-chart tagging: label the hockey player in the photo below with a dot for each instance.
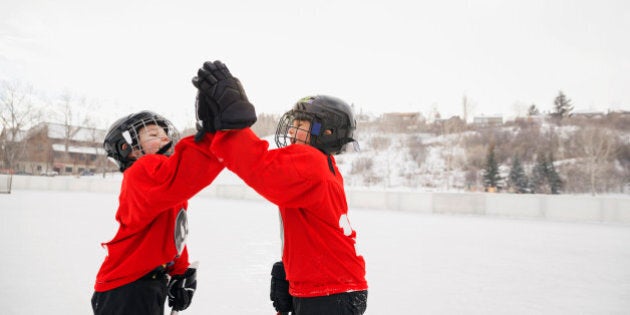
(160, 175)
(324, 272)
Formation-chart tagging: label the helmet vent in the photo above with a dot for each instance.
(122, 137)
(127, 136)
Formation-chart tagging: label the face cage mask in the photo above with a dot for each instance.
(328, 145)
(283, 138)
(132, 136)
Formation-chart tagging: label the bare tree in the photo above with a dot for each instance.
(465, 108)
(380, 143)
(74, 114)
(453, 127)
(99, 162)
(71, 116)
(17, 112)
(468, 108)
(598, 147)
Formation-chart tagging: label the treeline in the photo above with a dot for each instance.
(577, 154)
(535, 154)
(555, 152)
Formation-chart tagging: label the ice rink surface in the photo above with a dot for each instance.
(416, 263)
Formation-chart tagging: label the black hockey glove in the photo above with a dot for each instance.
(181, 289)
(221, 101)
(282, 300)
(207, 116)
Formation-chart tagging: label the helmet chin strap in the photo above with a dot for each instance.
(330, 164)
(165, 148)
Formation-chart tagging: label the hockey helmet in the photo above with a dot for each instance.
(122, 137)
(332, 123)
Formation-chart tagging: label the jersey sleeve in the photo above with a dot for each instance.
(156, 182)
(283, 176)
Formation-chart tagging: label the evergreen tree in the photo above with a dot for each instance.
(545, 179)
(555, 183)
(561, 107)
(533, 110)
(517, 180)
(491, 176)
(539, 184)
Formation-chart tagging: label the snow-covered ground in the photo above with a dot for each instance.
(416, 264)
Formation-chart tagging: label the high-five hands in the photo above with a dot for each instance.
(221, 101)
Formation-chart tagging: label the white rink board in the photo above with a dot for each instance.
(581, 208)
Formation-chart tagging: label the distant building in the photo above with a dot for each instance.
(538, 119)
(620, 113)
(488, 120)
(588, 114)
(57, 149)
(401, 122)
(449, 125)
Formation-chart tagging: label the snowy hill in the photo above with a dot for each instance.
(589, 156)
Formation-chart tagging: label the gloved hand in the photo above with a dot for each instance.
(282, 300)
(181, 289)
(221, 101)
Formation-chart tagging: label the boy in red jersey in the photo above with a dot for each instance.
(324, 272)
(159, 178)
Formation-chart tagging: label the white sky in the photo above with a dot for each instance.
(382, 56)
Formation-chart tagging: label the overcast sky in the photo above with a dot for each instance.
(382, 56)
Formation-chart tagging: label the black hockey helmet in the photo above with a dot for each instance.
(122, 137)
(324, 113)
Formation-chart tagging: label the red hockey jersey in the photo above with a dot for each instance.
(319, 244)
(152, 213)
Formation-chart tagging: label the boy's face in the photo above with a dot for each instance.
(151, 138)
(299, 132)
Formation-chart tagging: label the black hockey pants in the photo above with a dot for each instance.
(349, 303)
(145, 296)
